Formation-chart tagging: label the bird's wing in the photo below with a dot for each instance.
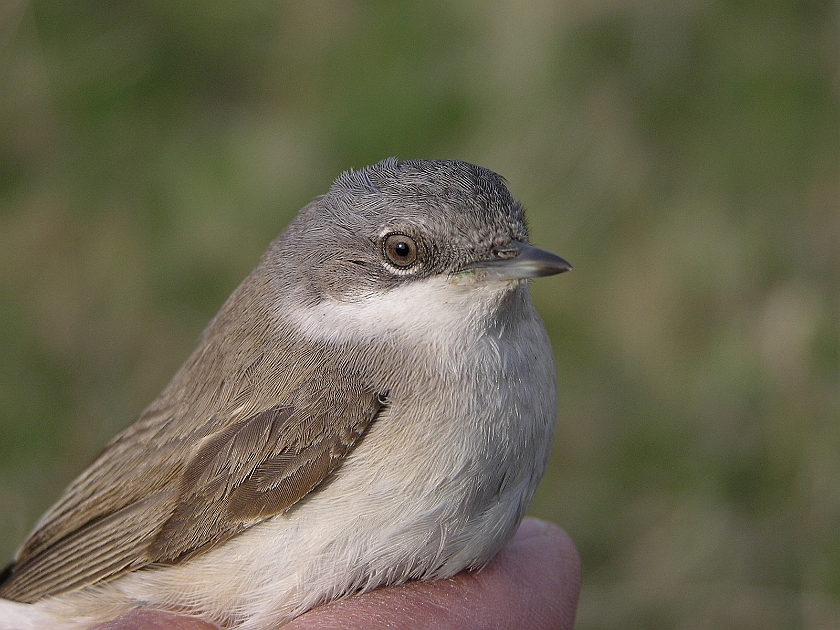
(167, 511)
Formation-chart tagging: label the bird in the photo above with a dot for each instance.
(375, 403)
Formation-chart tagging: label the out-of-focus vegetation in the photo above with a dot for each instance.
(683, 156)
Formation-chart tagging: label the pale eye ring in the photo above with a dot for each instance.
(400, 250)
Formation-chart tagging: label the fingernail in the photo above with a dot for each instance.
(531, 528)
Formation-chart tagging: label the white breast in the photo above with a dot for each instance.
(437, 485)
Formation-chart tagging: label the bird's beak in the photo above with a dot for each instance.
(517, 261)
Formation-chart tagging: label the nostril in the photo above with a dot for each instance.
(505, 253)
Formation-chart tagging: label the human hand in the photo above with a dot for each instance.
(534, 582)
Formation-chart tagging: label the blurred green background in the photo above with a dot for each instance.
(682, 155)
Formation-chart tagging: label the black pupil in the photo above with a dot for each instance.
(402, 249)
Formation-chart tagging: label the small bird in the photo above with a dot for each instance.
(375, 403)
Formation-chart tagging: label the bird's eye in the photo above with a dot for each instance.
(400, 250)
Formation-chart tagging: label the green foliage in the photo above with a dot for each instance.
(683, 156)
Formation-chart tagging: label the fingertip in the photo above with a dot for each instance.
(144, 619)
(544, 535)
(531, 527)
(544, 557)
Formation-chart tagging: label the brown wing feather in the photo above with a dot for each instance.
(239, 475)
(103, 548)
(258, 468)
(128, 471)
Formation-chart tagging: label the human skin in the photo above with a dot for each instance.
(534, 582)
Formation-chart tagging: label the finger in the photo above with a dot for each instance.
(145, 619)
(534, 582)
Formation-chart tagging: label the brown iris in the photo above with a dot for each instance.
(401, 250)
